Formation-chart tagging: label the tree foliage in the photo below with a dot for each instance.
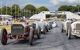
(5, 10)
(69, 8)
(42, 8)
(16, 11)
(29, 10)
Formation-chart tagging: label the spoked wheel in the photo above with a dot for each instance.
(69, 36)
(44, 31)
(4, 37)
(38, 33)
(31, 36)
(47, 29)
(69, 33)
(62, 30)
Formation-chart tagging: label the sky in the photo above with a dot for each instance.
(50, 4)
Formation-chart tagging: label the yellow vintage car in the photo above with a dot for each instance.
(19, 31)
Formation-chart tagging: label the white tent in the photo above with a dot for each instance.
(5, 17)
(70, 15)
(41, 15)
(38, 16)
(34, 16)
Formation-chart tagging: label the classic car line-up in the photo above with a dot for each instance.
(25, 31)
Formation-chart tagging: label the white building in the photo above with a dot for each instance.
(42, 15)
(5, 17)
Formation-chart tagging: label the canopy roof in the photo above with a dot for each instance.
(5, 16)
(42, 15)
(70, 15)
(38, 16)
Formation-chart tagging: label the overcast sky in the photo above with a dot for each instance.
(51, 4)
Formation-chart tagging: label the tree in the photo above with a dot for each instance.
(78, 8)
(69, 8)
(63, 8)
(42, 8)
(15, 10)
(0, 11)
(5, 10)
(29, 10)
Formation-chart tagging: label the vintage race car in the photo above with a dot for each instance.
(65, 26)
(20, 32)
(37, 29)
(50, 24)
(74, 29)
(42, 26)
(45, 26)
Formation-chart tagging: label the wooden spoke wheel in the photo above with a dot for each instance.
(31, 36)
(4, 37)
(39, 33)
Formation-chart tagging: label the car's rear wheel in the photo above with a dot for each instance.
(44, 30)
(47, 29)
(69, 33)
(31, 36)
(62, 30)
(4, 36)
(69, 36)
(39, 33)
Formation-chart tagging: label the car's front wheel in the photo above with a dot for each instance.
(4, 36)
(39, 33)
(31, 36)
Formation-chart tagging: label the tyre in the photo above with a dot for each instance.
(31, 36)
(4, 36)
(62, 30)
(38, 33)
(47, 29)
(44, 32)
(69, 36)
(69, 33)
